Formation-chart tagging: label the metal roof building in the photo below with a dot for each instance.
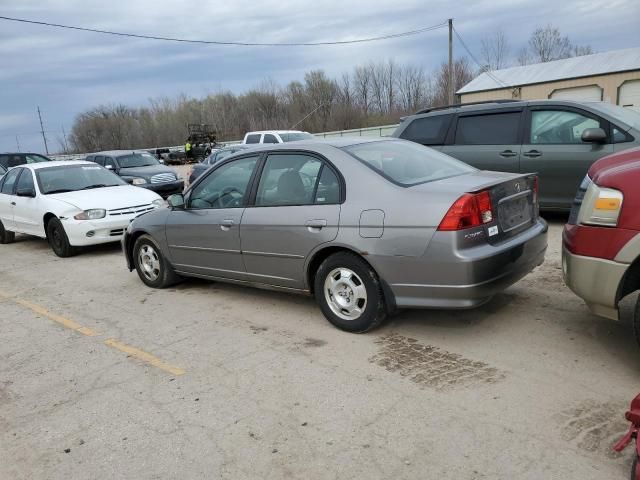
(612, 77)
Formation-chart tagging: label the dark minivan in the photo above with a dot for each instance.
(141, 169)
(558, 140)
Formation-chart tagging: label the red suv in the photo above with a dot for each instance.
(601, 241)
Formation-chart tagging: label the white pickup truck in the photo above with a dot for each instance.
(276, 136)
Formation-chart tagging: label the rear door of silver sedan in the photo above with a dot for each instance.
(295, 208)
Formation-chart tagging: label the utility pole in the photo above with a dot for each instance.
(44, 137)
(64, 135)
(18, 143)
(452, 86)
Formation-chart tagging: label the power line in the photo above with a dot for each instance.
(488, 72)
(218, 42)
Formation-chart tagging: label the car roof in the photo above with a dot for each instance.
(55, 163)
(337, 142)
(23, 153)
(119, 153)
(500, 104)
(275, 131)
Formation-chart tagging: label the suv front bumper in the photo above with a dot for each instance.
(595, 280)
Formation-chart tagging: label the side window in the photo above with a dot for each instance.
(9, 181)
(269, 138)
(255, 138)
(225, 187)
(15, 160)
(328, 190)
(99, 159)
(288, 180)
(427, 130)
(108, 162)
(559, 127)
(25, 182)
(619, 136)
(490, 129)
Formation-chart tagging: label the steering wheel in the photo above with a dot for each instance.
(230, 197)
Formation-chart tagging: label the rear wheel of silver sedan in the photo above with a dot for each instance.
(152, 267)
(349, 293)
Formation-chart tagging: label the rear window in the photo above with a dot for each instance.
(427, 130)
(407, 163)
(491, 129)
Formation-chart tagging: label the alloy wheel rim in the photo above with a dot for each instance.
(345, 293)
(149, 262)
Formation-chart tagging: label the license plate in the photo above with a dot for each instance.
(515, 213)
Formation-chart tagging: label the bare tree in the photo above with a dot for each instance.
(462, 74)
(579, 51)
(494, 50)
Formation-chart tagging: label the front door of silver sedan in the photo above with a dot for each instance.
(296, 208)
(204, 237)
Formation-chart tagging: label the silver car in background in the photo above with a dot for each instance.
(366, 226)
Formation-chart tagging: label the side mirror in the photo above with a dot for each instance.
(176, 201)
(26, 192)
(594, 135)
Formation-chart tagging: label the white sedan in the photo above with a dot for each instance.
(71, 204)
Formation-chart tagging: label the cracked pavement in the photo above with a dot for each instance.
(529, 386)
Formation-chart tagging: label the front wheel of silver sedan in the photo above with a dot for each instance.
(151, 265)
(349, 293)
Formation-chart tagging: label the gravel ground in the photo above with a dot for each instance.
(102, 377)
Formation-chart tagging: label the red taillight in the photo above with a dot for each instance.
(470, 210)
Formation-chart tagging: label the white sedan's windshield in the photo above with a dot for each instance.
(407, 163)
(75, 177)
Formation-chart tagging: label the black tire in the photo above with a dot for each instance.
(636, 321)
(6, 236)
(163, 275)
(58, 240)
(373, 309)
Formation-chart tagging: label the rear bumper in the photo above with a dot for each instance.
(165, 189)
(595, 280)
(470, 277)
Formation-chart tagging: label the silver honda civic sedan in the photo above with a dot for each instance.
(366, 226)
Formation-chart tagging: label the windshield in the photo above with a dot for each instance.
(625, 114)
(137, 160)
(295, 136)
(407, 163)
(71, 178)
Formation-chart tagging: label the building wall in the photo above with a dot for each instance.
(609, 83)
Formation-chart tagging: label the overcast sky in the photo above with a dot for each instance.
(66, 72)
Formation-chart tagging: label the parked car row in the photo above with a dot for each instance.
(301, 217)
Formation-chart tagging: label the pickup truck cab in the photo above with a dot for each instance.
(276, 136)
(601, 241)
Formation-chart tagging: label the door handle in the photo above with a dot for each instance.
(226, 224)
(508, 153)
(532, 154)
(317, 224)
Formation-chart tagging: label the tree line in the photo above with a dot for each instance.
(376, 93)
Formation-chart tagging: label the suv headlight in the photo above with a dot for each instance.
(93, 214)
(601, 206)
(159, 203)
(138, 181)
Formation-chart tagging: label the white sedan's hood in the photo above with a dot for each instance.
(108, 198)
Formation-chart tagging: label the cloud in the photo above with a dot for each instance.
(66, 72)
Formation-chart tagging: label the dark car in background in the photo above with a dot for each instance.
(558, 140)
(141, 169)
(216, 156)
(2, 170)
(10, 160)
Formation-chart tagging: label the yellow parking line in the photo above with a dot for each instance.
(66, 322)
(143, 356)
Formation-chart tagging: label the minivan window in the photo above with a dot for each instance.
(559, 127)
(253, 138)
(427, 130)
(490, 129)
(407, 163)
